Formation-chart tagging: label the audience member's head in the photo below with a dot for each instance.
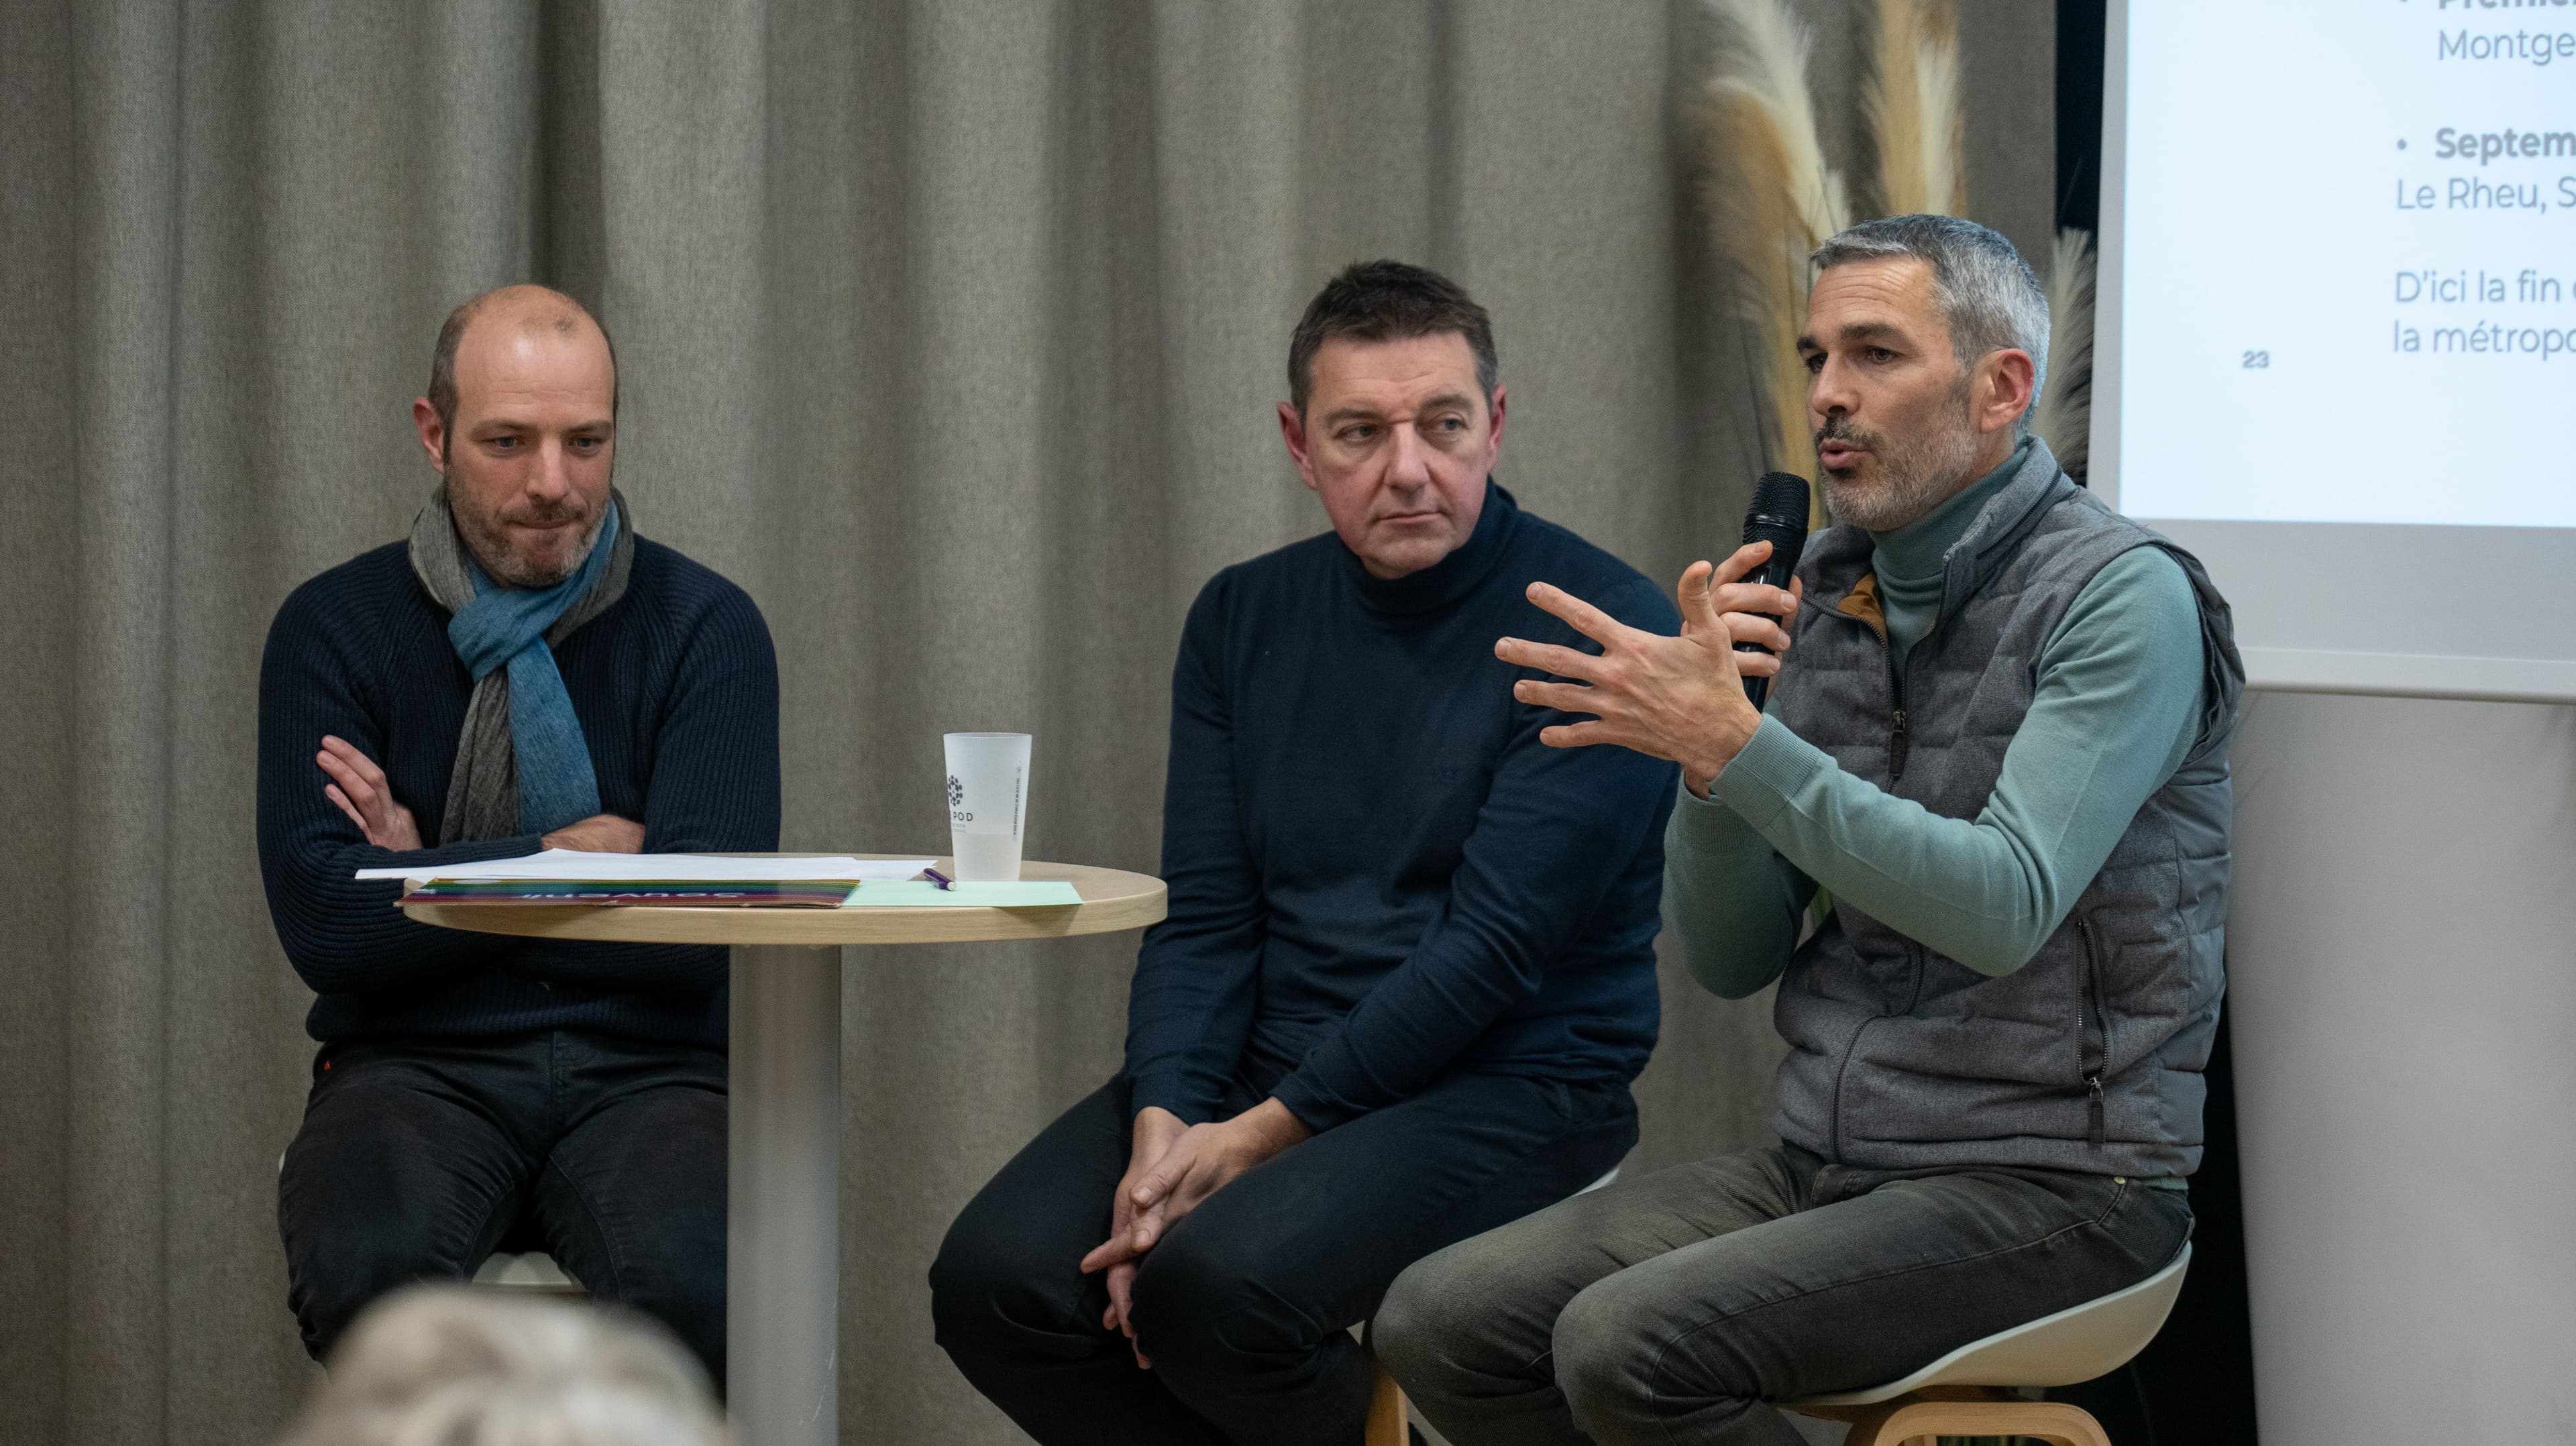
(1927, 337)
(1394, 413)
(521, 419)
(458, 1366)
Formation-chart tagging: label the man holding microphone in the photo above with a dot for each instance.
(1998, 750)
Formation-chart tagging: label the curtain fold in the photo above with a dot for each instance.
(951, 329)
(127, 183)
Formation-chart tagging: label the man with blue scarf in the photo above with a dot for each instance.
(523, 673)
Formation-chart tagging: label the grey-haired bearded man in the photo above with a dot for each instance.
(1999, 743)
(523, 672)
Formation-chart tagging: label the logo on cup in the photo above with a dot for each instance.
(956, 791)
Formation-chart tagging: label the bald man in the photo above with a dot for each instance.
(523, 672)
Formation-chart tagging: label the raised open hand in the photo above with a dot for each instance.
(1678, 698)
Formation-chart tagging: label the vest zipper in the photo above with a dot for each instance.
(1897, 737)
(2100, 1020)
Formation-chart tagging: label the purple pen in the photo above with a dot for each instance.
(936, 877)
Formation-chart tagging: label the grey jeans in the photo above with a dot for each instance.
(1671, 1307)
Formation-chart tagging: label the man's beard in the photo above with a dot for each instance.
(1913, 477)
(489, 540)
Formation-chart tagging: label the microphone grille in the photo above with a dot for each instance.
(1781, 496)
(1779, 509)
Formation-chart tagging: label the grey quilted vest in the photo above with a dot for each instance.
(2089, 1057)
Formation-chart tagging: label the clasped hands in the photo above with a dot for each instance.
(358, 786)
(1677, 698)
(1171, 1168)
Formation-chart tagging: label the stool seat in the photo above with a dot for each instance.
(530, 1270)
(2076, 1344)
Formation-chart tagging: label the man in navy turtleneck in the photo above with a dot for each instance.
(1408, 971)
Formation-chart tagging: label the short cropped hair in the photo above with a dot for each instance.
(451, 334)
(456, 1365)
(1986, 291)
(1388, 301)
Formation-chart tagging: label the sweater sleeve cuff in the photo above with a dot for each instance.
(1315, 1107)
(1702, 826)
(1772, 767)
(1168, 1090)
(484, 850)
(462, 851)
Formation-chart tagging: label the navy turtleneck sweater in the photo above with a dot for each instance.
(1378, 873)
(676, 688)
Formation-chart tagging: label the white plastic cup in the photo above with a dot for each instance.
(988, 804)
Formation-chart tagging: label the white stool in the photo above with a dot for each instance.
(1386, 1420)
(1972, 1390)
(533, 1271)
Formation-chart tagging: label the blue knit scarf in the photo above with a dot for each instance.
(522, 764)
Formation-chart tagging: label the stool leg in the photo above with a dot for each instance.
(1386, 1424)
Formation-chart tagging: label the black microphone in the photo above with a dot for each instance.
(1778, 516)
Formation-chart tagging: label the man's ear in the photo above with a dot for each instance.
(433, 433)
(1292, 430)
(1494, 437)
(2006, 378)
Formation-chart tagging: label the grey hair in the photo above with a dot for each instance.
(1987, 292)
(448, 1365)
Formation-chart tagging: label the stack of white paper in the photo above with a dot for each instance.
(577, 866)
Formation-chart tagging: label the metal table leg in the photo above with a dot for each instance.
(783, 1183)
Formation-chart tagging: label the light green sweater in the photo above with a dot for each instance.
(2116, 710)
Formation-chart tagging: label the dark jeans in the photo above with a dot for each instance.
(1244, 1306)
(417, 1159)
(1669, 1308)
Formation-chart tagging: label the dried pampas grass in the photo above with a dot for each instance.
(2064, 417)
(1913, 108)
(1773, 199)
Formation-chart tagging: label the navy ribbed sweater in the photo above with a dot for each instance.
(676, 687)
(1378, 873)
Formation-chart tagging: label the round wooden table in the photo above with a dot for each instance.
(783, 1154)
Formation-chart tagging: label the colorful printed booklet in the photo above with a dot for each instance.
(659, 893)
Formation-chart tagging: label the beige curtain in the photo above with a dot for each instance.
(949, 329)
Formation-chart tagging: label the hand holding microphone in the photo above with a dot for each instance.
(1778, 516)
(1684, 698)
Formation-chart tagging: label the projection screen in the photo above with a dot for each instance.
(2336, 342)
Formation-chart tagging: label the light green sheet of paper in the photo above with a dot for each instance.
(923, 894)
